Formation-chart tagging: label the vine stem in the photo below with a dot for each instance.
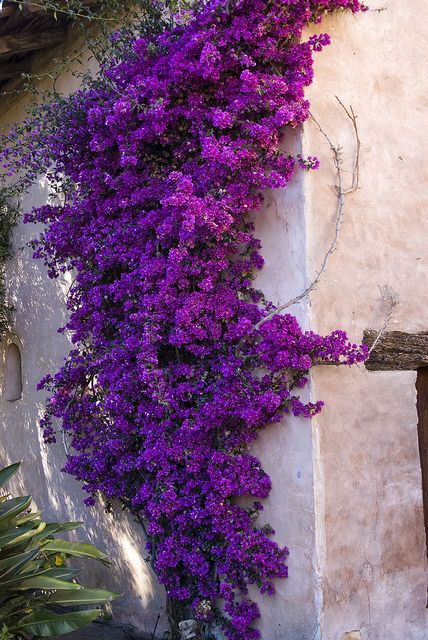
(54, 8)
(341, 193)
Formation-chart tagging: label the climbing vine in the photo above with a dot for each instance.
(178, 361)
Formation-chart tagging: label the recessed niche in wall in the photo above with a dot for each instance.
(12, 387)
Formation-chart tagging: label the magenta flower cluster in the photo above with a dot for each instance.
(172, 375)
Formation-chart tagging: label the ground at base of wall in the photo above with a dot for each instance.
(109, 631)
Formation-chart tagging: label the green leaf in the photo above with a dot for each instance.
(8, 472)
(34, 515)
(55, 527)
(62, 573)
(46, 623)
(69, 526)
(77, 549)
(83, 596)
(13, 564)
(26, 535)
(11, 508)
(41, 581)
(8, 536)
(47, 531)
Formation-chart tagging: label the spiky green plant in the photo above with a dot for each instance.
(39, 594)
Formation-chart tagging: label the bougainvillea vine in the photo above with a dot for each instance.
(163, 159)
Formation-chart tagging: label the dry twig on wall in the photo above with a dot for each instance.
(341, 192)
(391, 299)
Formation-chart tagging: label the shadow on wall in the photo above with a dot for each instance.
(31, 350)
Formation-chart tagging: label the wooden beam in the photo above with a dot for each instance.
(13, 69)
(397, 351)
(32, 40)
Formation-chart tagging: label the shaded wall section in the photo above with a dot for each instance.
(39, 310)
(368, 477)
(285, 449)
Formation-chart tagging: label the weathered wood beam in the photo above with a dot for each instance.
(14, 69)
(397, 351)
(32, 40)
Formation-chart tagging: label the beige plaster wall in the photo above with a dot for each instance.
(286, 449)
(370, 534)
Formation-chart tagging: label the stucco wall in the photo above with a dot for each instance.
(286, 449)
(370, 533)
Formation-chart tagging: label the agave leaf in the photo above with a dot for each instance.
(34, 515)
(11, 508)
(8, 472)
(62, 573)
(27, 535)
(49, 529)
(47, 623)
(13, 564)
(84, 596)
(69, 526)
(13, 604)
(77, 549)
(8, 536)
(40, 581)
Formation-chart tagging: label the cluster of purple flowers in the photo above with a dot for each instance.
(171, 377)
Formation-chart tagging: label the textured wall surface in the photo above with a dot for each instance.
(286, 449)
(370, 532)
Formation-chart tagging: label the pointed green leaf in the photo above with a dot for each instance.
(62, 573)
(27, 535)
(83, 596)
(47, 623)
(8, 536)
(69, 526)
(13, 564)
(8, 472)
(34, 515)
(11, 508)
(23, 582)
(77, 549)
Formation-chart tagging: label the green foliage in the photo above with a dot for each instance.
(8, 219)
(38, 592)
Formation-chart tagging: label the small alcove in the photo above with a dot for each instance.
(12, 386)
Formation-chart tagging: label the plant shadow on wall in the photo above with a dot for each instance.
(39, 593)
(178, 361)
(39, 308)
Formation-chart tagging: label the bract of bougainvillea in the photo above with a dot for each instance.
(171, 376)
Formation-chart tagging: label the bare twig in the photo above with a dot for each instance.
(380, 9)
(156, 626)
(341, 193)
(391, 299)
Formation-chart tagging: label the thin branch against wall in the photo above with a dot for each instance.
(391, 300)
(341, 192)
